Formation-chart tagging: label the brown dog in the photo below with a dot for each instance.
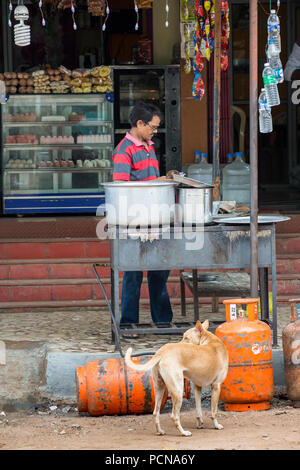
(201, 357)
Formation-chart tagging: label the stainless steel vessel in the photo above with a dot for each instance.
(194, 205)
(140, 203)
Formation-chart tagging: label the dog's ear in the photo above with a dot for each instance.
(205, 324)
(199, 326)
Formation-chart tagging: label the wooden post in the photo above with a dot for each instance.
(253, 147)
(217, 89)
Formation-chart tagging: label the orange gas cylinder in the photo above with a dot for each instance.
(109, 387)
(249, 382)
(291, 354)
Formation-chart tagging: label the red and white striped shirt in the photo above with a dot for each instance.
(133, 161)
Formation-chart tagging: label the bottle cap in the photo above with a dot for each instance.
(204, 155)
(266, 64)
(197, 152)
(273, 11)
(238, 153)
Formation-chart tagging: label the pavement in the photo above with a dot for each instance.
(40, 350)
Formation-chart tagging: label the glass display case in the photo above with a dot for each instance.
(56, 152)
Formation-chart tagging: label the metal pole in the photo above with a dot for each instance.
(253, 147)
(217, 89)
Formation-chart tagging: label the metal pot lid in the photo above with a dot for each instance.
(137, 184)
(191, 182)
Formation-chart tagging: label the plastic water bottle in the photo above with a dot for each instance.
(229, 159)
(265, 116)
(236, 181)
(276, 65)
(197, 156)
(275, 62)
(270, 85)
(274, 30)
(201, 171)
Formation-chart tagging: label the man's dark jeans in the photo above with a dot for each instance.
(160, 306)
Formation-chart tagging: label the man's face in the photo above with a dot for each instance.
(147, 130)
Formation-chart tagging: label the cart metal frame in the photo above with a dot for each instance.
(220, 247)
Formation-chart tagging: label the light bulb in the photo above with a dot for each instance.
(104, 27)
(167, 24)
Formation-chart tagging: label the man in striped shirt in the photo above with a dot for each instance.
(135, 160)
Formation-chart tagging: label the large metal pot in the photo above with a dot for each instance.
(195, 205)
(140, 203)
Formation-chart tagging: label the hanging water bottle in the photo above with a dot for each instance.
(276, 65)
(275, 62)
(274, 30)
(265, 116)
(270, 85)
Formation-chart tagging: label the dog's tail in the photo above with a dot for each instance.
(140, 367)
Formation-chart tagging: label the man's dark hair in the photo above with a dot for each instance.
(144, 111)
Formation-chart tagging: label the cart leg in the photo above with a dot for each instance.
(215, 304)
(274, 289)
(114, 275)
(182, 296)
(264, 293)
(195, 294)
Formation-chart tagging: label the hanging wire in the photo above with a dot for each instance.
(10, 7)
(107, 11)
(136, 8)
(167, 14)
(73, 15)
(42, 13)
(278, 6)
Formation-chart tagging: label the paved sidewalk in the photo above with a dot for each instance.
(89, 330)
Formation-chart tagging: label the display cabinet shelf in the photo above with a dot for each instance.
(72, 172)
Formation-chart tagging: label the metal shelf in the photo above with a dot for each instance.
(55, 123)
(55, 169)
(55, 146)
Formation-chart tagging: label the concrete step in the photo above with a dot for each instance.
(35, 290)
(288, 263)
(289, 226)
(63, 268)
(287, 243)
(75, 248)
(288, 285)
(28, 306)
